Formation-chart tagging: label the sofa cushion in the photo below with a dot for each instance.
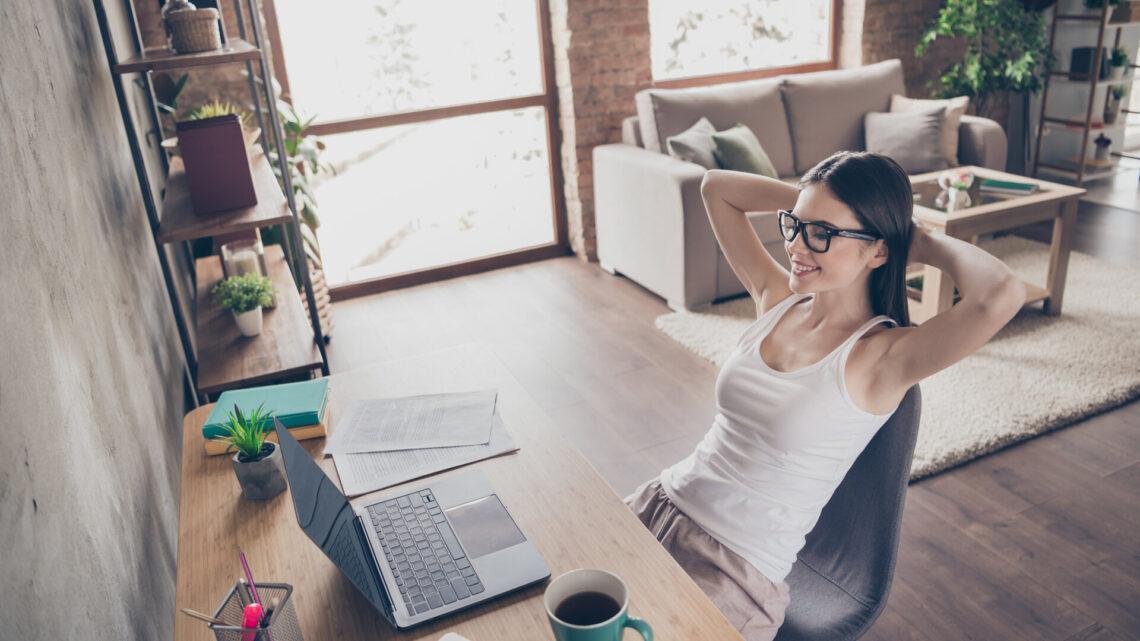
(912, 138)
(756, 103)
(955, 107)
(695, 144)
(826, 108)
(738, 149)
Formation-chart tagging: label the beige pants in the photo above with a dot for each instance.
(751, 602)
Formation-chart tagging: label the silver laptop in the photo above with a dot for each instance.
(419, 555)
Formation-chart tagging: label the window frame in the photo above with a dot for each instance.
(547, 98)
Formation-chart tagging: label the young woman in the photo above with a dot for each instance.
(824, 365)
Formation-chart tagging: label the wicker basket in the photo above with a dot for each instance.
(194, 30)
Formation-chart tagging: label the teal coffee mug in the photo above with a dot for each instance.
(591, 605)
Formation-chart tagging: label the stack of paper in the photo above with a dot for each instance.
(383, 442)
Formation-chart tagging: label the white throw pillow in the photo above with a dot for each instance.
(911, 138)
(695, 144)
(955, 107)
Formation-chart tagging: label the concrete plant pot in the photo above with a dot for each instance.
(264, 478)
(249, 323)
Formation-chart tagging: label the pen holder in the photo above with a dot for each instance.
(283, 625)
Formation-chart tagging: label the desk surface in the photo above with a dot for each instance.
(567, 510)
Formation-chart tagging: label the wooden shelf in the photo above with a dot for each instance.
(1066, 77)
(1091, 173)
(1079, 17)
(234, 50)
(285, 346)
(179, 222)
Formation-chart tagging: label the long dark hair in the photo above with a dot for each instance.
(878, 190)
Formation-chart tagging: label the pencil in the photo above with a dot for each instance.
(202, 617)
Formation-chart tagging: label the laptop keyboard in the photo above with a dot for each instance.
(430, 567)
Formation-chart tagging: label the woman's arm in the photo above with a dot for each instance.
(728, 195)
(991, 296)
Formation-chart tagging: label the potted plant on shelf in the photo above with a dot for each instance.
(1119, 62)
(257, 461)
(244, 296)
(211, 110)
(1094, 7)
(1113, 102)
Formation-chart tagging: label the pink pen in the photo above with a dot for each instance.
(251, 621)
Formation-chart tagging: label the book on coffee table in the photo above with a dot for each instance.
(1007, 186)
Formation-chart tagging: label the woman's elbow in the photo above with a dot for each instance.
(1007, 298)
(712, 178)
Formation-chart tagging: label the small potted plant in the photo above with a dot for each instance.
(1093, 7)
(257, 461)
(211, 110)
(244, 296)
(1118, 63)
(1113, 103)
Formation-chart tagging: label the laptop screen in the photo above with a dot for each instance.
(325, 515)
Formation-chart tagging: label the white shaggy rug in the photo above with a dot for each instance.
(1037, 374)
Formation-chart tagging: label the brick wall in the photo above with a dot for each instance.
(892, 28)
(601, 57)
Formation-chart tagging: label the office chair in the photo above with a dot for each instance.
(840, 582)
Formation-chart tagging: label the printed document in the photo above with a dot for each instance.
(414, 422)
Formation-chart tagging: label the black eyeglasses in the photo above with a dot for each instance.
(817, 236)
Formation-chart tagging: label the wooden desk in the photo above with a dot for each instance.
(567, 510)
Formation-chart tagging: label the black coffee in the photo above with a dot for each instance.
(586, 608)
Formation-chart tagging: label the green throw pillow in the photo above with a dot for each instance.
(738, 149)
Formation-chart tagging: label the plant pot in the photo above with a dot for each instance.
(251, 137)
(1116, 73)
(264, 478)
(1101, 152)
(1111, 111)
(249, 323)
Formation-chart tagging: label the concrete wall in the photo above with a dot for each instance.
(91, 393)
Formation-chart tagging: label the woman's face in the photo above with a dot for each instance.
(846, 258)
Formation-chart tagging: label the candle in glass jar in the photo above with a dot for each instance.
(244, 261)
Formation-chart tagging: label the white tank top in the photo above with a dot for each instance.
(779, 446)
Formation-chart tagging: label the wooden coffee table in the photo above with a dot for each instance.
(988, 213)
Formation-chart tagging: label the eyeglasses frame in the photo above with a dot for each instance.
(831, 231)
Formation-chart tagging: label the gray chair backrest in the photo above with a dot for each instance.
(854, 544)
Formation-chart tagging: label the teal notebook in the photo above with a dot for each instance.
(1008, 185)
(294, 404)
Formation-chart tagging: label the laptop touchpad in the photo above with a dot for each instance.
(484, 526)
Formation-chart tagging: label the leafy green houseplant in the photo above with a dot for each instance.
(257, 461)
(1006, 50)
(218, 108)
(244, 296)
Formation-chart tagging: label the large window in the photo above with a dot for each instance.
(438, 118)
(717, 37)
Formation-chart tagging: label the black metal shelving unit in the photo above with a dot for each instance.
(204, 358)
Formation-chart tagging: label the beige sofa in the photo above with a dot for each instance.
(650, 221)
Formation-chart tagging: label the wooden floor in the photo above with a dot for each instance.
(1038, 541)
